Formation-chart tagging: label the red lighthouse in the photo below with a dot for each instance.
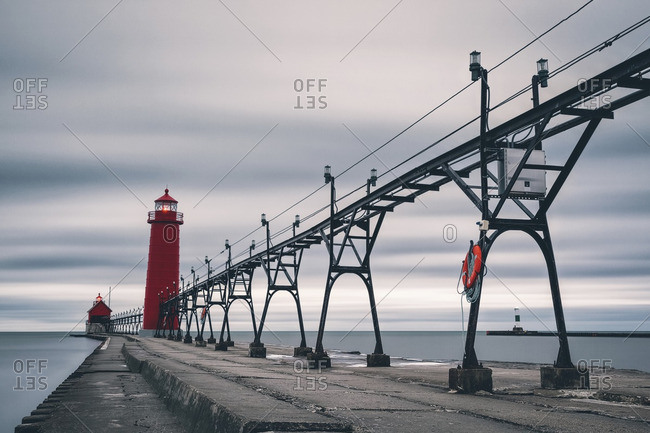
(162, 270)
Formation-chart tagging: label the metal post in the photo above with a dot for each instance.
(469, 358)
(328, 287)
(484, 172)
(535, 87)
(332, 200)
(269, 280)
(228, 288)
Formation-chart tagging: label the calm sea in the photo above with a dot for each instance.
(448, 346)
(33, 365)
(59, 359)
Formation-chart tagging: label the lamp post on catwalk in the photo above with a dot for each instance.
(164, 258)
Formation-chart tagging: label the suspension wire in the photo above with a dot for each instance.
(596, 49)
(526, 89)
(573, 62)
(540, 36)
(607, 43)
(369, 155)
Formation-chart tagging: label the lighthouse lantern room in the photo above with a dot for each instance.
(163, 266)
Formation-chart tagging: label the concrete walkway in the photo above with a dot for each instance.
(228, 391)
(171, 386)
(103, 395)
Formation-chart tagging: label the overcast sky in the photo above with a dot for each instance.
(137, 96)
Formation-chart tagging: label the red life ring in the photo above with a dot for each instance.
(476, 257)
(203, 314)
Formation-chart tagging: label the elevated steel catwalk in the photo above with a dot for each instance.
(454, 166)
(412, 184)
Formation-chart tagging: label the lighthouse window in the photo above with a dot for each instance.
(166, 206)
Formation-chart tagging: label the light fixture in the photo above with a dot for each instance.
(475, 64)
(263, 219)
(206, 259)
(328, 174)
(542, 72)
(373, 177)
(227, 243)
(253, 244)
(192, 270)
(296, 222)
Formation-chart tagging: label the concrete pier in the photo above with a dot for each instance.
(102, 395)
(227, 391)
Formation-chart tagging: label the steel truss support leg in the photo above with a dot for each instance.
(189, 318)
(199, 341)
(239, 278)
(563, 370)
(225, 329)
(362, 269)
(172, 318)
(544, 242)
(207, 292)
(470, 361)
(182, 316)
(287, 271)
(562, 374)
(208, 317)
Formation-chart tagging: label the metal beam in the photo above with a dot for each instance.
(571, 162)
(590, 114)
(463, 186)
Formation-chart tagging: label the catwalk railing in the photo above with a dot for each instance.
(126, 322)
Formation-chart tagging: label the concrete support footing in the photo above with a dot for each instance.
(212, 340)
(200, 343)
(301, 351)
(178, 337)
(470, 380)
(319, 360)
(187, 339)
(222, 345)
(256, 350)
(564, 377)
(377, 360)
(230, 343)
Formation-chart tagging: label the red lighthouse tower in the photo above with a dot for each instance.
(162, 270)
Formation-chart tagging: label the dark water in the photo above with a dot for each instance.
(33, 364)
(447, 346)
